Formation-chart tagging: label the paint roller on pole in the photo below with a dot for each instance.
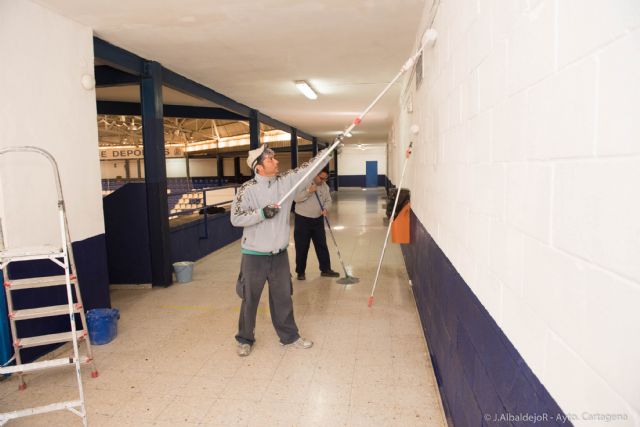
(414, 130)
(428, 39)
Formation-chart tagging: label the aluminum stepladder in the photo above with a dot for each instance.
(62, 256)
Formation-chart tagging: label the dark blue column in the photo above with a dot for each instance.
(236, 168)
(220, 169)
(254, 130)
(155, 170)
(314, 146)
(294, 148)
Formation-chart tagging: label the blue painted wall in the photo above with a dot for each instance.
(478, 370)
(90, 255)
(127, 236)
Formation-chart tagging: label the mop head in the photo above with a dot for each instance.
(348, 279)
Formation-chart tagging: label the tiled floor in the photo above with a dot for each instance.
(173, 362)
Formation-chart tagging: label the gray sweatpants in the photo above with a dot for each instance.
(255, 270)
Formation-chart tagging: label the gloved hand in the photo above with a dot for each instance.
(270, 211)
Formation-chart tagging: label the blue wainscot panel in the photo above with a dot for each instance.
(91, 263)
(483, 380)
(359, 180)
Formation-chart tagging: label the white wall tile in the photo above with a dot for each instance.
(489, 189)
(592, 311)
(509, 123)
(455, 111)
(478, 43)
(479, 137)
(532, 48)
(525, 328)
(504, 17)
(595, 213)
(613, 325)
(492, 77)
(529, 199)
(579, 391)
(469, 93)
(619, 95)
(506, 255)
(554, 287)
(561, 114)
(477, 238)
(585, 25)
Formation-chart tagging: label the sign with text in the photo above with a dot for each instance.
(107, 153)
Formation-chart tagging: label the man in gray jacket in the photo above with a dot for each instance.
(312, 205)
(265, 239)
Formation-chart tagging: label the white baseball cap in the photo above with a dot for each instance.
(254, 156)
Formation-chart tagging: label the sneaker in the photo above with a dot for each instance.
(244, 349)
(330, 273)
(302, 276)
(300, 343)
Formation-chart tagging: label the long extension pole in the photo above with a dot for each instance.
(393, 213)
(406, 67)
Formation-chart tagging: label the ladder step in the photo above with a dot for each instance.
(48, 339)
(38, 282)
(36, 366)
(40, 410)
(31, 253)
(53, 310)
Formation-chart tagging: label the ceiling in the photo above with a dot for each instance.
(252, 51)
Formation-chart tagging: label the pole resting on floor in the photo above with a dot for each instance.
(393, 214)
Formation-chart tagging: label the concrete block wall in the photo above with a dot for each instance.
(526, 173)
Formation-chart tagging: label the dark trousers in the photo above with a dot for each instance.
(307, 230)
(255, 270)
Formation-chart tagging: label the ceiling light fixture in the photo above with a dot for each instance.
(306, 89)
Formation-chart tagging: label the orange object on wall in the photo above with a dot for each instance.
(401, 226)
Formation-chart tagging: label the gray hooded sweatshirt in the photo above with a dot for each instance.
(265, 236)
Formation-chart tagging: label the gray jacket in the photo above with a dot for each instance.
(307, 203)
(269, 235)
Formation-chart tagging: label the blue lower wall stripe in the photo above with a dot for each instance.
(91, 264)
(483, 380)
(358, 180)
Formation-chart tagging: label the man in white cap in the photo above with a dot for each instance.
(265, 239)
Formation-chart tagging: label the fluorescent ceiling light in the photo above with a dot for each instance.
(306, 89)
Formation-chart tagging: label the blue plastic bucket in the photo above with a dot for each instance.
(102, 324)
(184, 271)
